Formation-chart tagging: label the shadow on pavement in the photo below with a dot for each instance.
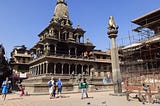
(15, 99)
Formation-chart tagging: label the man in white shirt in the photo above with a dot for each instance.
(51, 87)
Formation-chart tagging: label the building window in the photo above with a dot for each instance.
(98, 57)
(99, 66)
(105, 67)
(104, 57)
(23, 60)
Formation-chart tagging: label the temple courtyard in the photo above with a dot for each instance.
(74, 99)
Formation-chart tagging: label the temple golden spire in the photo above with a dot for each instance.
(61, 11)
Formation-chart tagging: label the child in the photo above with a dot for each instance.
(21, 89)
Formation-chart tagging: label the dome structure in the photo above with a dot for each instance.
(61, 11)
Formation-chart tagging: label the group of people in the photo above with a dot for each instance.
(6, 86)
(53, 85)
(57, 86)
(144, 94)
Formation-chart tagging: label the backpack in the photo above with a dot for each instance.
(49, 83)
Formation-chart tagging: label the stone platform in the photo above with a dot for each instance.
(38, 85)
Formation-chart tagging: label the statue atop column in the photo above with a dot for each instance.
(111, 23)
(112, 28)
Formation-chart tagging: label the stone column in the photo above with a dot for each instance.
(87, 69)
(39, 69)
(65, 33)
(112, 32)
(75, 51)
(69, 69)
(76, 69)
(55, 49)
(31, 70)
(82, 69)
(35, 70)
(82, 73)
(59, 35)
(69, 51)
(46, 67)
(54, 68)
(62, 68)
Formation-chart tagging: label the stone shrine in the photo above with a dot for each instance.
(61, 52)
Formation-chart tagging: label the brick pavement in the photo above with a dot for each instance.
(95, 99)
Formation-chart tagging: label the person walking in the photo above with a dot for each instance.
(84, 86)
(59, 85)
(21, 89)
(5, 88)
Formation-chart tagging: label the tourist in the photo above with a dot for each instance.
(51, 87)
(145, 88)
(54, 89)
(149, 94)
(59, 85)
(21, 89)
(84, 86)
(104, 80)
(5, 88)
(127, 94)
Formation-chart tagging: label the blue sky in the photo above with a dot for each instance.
(22, 20)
